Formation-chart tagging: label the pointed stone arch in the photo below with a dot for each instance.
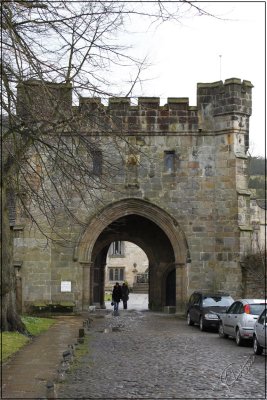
(89, 246)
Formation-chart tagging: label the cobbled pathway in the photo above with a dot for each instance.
(144, 355)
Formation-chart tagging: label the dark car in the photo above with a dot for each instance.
(202, 309)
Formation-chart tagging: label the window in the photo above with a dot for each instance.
(262, 317)
(116, 274)
(195, 299)
(169, 157)
(256, 309)
(234, 307)
(117, 249)
(246, 141)
(239, 309)
(97, 162)
(214, 301)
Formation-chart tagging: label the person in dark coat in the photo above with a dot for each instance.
(125, 295)
(116, 297)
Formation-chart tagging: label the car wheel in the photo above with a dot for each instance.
(201, 324)
(256, 347)
(221, 332)
(238, 339)
(189, 320)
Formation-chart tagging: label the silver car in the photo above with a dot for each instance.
(259, 335)
(239, 319)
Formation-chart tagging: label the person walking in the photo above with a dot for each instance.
(116, 297)
(125, 294)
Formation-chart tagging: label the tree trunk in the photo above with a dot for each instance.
(10, 320)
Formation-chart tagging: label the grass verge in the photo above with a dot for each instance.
(11, 342)
(108, 297)
(36, 325)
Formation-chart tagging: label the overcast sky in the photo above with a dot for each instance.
(183, 54)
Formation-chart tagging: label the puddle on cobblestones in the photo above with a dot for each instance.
(112, 329)
(116, 329)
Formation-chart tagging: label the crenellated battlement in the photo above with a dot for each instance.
(217, 103)
(124, 103)
(232, 96)
(146, 116)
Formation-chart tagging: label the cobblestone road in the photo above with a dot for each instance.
(144, 355)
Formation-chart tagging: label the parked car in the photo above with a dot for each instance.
(259, 334)
(239, 319)
(203, 307)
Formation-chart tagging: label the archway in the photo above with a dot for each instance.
(154, 231)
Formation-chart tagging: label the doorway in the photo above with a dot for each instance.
(155, 232)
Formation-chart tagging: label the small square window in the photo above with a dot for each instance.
(169, 161)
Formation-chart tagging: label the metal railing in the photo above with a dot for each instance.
(141, 278)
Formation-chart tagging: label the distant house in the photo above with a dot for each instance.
(125, 262)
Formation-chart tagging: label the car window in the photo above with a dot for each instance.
(239, 308)
(194, 299)
(262, 317)
(231, 310)
(197, 299)
(191, 300)
(236, 308)
(256, 309)
(217, 301)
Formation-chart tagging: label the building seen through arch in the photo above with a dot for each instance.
(126, 262)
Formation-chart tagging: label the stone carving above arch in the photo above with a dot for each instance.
(126, 207)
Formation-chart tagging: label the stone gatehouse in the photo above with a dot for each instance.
(179, 192)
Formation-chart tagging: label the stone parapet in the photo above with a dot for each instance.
(41, 101)
(47, 101)
(229, 97)
(147, 117)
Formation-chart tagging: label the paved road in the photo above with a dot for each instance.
(144, 355)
